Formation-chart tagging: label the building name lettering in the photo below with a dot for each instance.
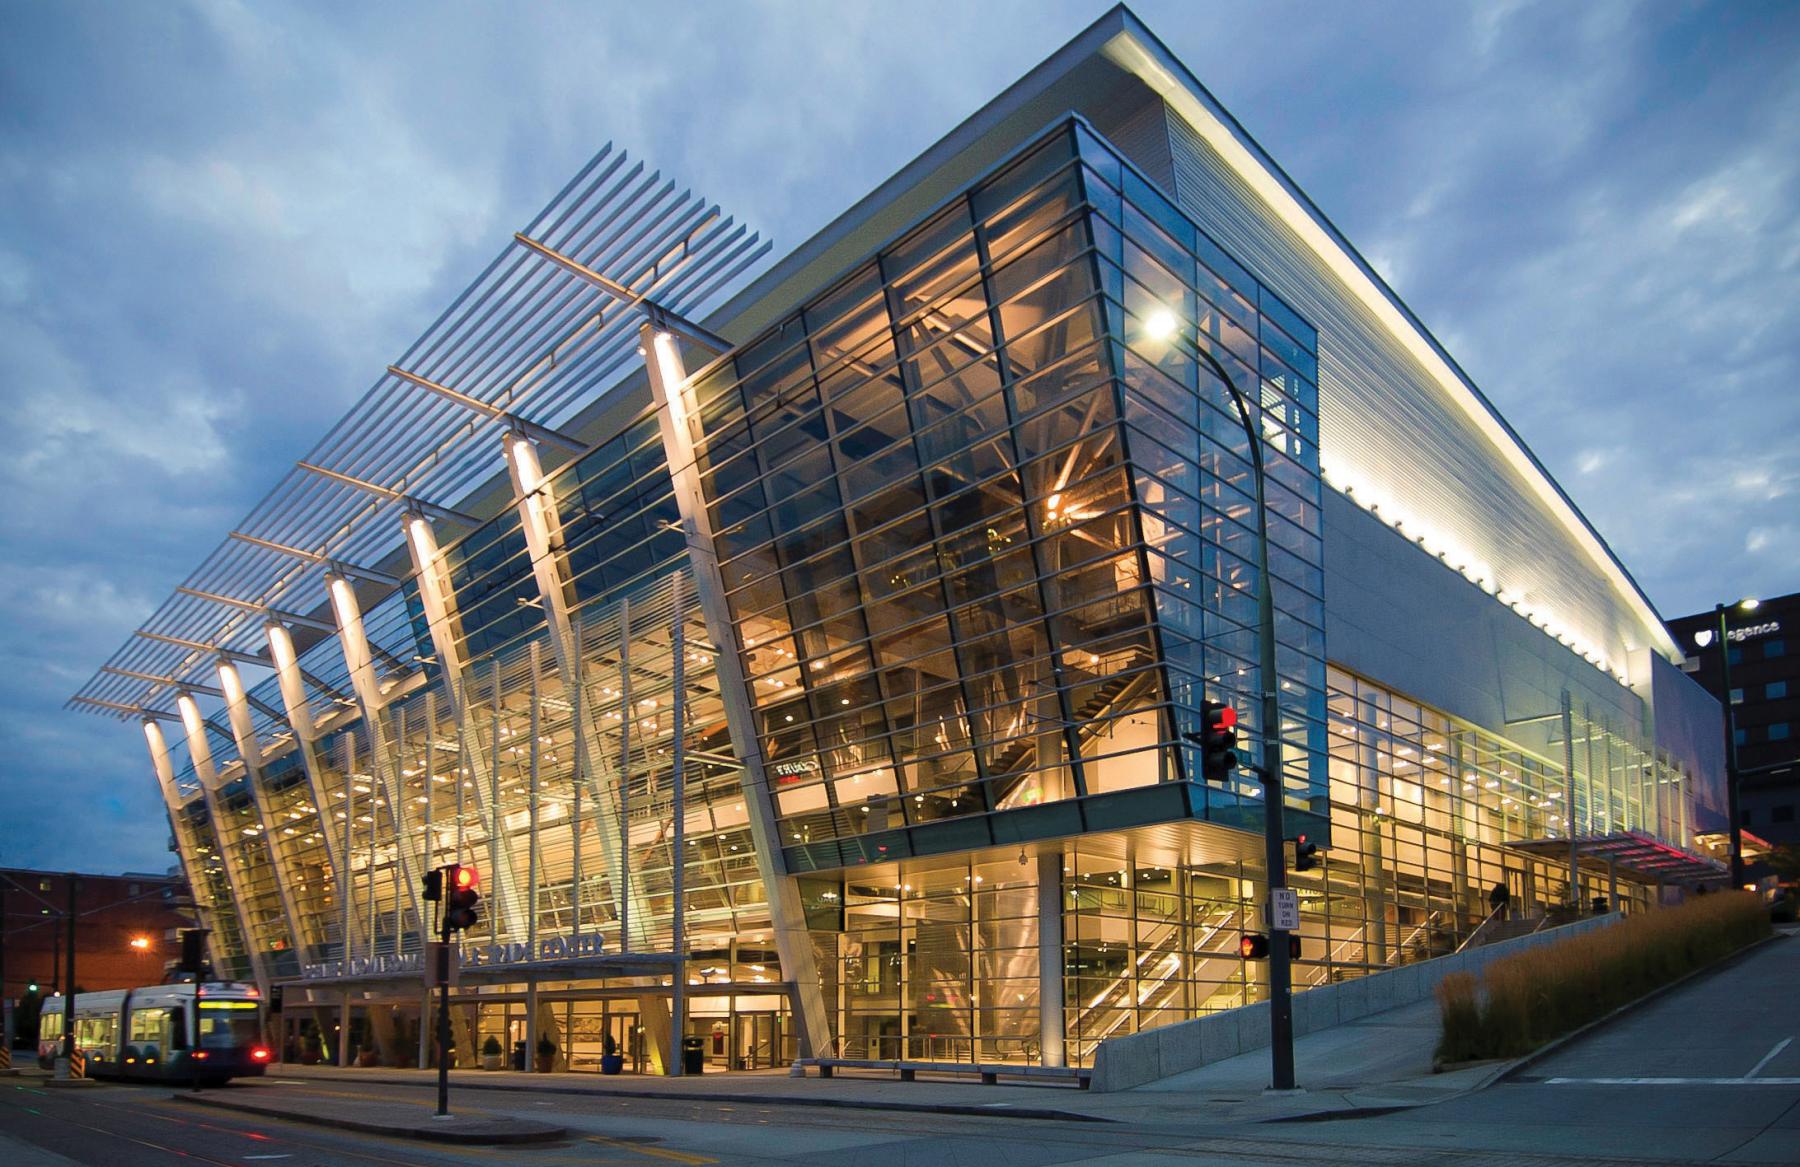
(473, 956)
(1740, 634)
(553, 948)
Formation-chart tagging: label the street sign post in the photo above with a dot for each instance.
(1284, 910)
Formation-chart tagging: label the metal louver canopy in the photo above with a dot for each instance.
(548, 326)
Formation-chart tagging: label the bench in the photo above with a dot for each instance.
(989, 1072)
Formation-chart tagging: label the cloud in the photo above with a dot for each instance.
(219, 221)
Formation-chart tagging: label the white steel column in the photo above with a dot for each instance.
(1052, 1024)
(243, 732)
(543, 540)
(184, 840)
(355, 645)
(436, 597)
(669, 390)
(200, 750)
(306, 740)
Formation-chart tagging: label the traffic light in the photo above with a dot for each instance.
(193, 951)
(434, 885)
(1306, 854)
(1218, 741)
(1255, 946)
(461, 900)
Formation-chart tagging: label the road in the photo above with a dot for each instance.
(1701, 1075)
(1709, 1072)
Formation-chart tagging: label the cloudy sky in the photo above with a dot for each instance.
(219, 221)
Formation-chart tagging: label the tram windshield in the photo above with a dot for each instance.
(229, 1023)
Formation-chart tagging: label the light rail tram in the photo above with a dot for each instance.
(173, 1033)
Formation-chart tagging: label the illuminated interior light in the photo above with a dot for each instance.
(1161, 325)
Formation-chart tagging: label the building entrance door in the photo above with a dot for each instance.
(757, 1043)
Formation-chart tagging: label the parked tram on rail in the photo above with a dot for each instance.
(179, 1033)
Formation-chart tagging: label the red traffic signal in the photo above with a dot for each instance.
(1255, 946)
(1217, 740)
(1306, 854)
(461, 901)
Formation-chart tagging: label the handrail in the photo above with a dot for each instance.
(1481, 927)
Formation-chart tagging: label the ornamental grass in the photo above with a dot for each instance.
(1531, 997)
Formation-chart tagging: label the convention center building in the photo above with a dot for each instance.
(802, 650)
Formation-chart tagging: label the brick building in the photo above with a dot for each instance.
(112, 911)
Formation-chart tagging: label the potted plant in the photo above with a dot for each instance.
(611, 1061)
(312, 1051)
(491, 1054)
(546, 1055)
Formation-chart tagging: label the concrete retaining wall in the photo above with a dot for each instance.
(1124, 1062)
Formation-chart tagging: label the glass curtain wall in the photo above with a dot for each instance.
(967, 577)
(1180, 312)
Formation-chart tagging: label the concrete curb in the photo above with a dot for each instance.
(989, 1111)
(1539, 1054)
(484, 1131)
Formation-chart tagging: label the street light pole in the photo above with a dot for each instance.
(1731, 754)
(1281, 988)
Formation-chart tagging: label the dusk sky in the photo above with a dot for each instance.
(220, 221)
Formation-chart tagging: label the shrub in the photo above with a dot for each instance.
(1531, 997)
(1460, 1003)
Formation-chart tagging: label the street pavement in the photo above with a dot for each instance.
(1701, 1074)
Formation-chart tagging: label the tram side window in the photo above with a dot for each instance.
(50, 1026)
(151, 1029)
(96, 1032)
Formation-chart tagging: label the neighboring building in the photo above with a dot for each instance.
(1765, 699)
(111, 912)
(902, 577)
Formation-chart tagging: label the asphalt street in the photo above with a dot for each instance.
(1709, 1072)
(1700, 1075)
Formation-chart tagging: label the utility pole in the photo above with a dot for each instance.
(69, 991)
(6, 1001)
(443, 1014)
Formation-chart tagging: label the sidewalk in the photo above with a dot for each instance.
(407, 1120)
(1381, 1062)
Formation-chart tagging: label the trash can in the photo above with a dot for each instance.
(519, 1057)
(693, 1055)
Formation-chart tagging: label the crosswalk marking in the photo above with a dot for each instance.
(1672, 1081)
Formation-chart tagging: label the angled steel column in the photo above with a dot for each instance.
(243, 732)
(200, 750)
(306, 740)
(543, 540)
(438, 600)
(354, 643)
(668, 387)
(184, 840)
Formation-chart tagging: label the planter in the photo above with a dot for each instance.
(368, 1058)
(612, 1063)
(492, 1061)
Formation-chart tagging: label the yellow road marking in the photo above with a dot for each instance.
(658, 1152)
